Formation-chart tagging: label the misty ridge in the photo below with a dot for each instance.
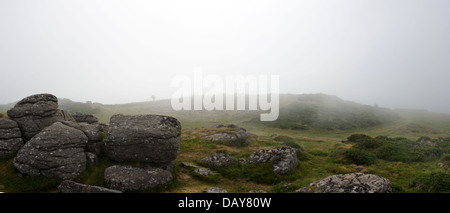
(296, 112)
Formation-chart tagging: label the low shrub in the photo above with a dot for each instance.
(359, 138)
(435, 182)
(359, 156)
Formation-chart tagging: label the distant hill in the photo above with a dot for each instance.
(328, 112)
(297, 112)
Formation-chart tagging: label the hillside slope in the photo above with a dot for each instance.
(297, 112)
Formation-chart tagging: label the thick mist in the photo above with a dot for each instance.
(393, 53)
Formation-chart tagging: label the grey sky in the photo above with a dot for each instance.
(390, 52)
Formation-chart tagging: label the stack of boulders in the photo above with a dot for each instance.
(52, 148)
(53, 143)
(151, 139)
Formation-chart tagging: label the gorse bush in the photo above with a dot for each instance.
(436, 182)
(401, 149)
(288, 141)
(359, 156)
(359, 138)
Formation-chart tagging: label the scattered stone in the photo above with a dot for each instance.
(284, 158)
(351, 183)
(257, 191)
(232, 133)
(227, 126)
(304, 190)
(204, 172)
(242, 160)
(143, 138)
(287, 185)
(57, 151)
(215, 190)
(125, 178)
(86, 118)
(68, 186)
(187, 164)
(218, 160)
(10, 137)
(36, 112)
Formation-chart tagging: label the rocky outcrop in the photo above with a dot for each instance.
(350, 183)
(57, 151)
(84, 118)
(36, 112)
(218, 160)
(126, 178)
(68, 186)
(143, 138)
(10, 137)
(284, 158)
(228, 133)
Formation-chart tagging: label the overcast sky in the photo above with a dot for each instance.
(389, 52)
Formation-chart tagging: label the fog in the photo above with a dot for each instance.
(391, 53)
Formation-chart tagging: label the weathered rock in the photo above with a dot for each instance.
(215, 190)
(94, 133)
(36, 112)
(284, 158)
(10, 137)
(231, 133)
(218, 160)
(125, 178)
(143, 138)
(84, 118)
(204, 172)
(350, 183)
(57, 151)
(68, 186)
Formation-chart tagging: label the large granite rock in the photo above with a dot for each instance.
(36, 112)
(68, 186)
(284, 158)
(10, 137)
(350, 183)
(57, 151)
(143, 138)
(126, 178)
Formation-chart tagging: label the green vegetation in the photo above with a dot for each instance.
(320, 111)
(359, 156)
(335, 136)
(399, 148)
(436, 182)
